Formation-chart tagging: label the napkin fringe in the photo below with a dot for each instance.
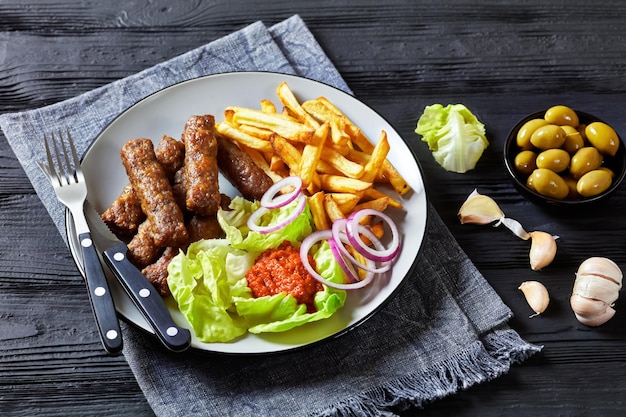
(479, 362)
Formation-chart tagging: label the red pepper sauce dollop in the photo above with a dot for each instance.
(281, 270)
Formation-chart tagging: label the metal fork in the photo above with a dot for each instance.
(66, 175)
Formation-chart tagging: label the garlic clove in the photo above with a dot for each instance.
(587, 307)
(597, 288)
(596, 320)
(542, 249)
(479, 209)
(602, 267)
(536, 295)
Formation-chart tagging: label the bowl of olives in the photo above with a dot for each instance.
(565, 157)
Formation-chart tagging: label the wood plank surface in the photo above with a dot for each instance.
(503, 59)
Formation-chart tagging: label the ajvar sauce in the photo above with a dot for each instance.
(281, 270)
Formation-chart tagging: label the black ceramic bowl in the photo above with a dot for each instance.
(616, 163)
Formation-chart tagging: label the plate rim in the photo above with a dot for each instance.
(75, 252)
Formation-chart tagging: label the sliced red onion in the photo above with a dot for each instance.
(340, 237)
(345, 266)
(258, 213)
(306, 246)
(272, 199)
(352, 231)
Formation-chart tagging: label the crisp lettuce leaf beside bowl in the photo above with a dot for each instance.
(454, 135)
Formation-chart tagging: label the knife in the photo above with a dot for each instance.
(143, 294)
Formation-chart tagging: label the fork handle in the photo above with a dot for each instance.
(100, 297)
(147, 299)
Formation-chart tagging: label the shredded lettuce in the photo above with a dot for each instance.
(208, 281)
(454, 135)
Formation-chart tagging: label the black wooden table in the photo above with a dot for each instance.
(503, 59)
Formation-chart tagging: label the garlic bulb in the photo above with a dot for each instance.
(479, 209)
(596, 288)
(536, 295)
(542, 250)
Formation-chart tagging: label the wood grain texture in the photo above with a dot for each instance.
(502, 59)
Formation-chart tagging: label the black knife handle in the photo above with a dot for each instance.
(147, 299)
(100, 297)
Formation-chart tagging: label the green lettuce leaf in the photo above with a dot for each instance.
(204, 283)
(454, 135)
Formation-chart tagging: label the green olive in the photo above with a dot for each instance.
(602, 137)
(529, 183)
(561, 115)
(573, 139)
(585, 160)
(525, 162)
(608, 170)
(581, 129)
(571, 184)
(556, 160)
(593, 183)
(549, 184)
(548, 137)
(526, 131)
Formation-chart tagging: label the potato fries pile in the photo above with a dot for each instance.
(314, 140)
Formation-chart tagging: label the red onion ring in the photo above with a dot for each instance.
(345, 266)
(340, 237)
(352, 231)
(271, 200)
(306, 246)
(258, 213)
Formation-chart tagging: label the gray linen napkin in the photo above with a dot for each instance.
(445, 330)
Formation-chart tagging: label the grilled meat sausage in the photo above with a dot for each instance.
(150, 182)
(240, 170)
(201, 170)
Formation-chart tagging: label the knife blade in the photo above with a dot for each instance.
(143, 294)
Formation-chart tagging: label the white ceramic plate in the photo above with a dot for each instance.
(166, 112)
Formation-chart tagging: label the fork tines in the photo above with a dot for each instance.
(68, 171)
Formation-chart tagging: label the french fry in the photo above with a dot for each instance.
(379, 155)
(280, 124)
(314, 187)
(343, 164)
(318, 211)
(319, 110)
(276, 163)
(324, 167)
(373, 194)
(289, 100)
(363, 158)
(311, 155)
(395, 179)
(339, 184)
(362, 273)
(229, 112)
(378, 229)
(288, 153)
(257, 132)
(346, 202)
(332, 208)
(267, 106)
(231, 132)
(379, 204)
(338, 132)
